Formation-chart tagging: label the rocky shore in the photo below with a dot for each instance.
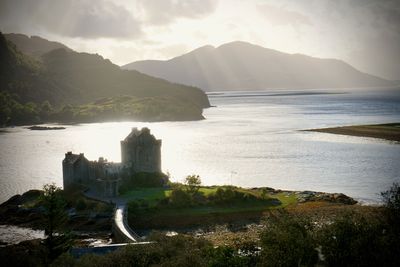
(90, 227)
(24, 212)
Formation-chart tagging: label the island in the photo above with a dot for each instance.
(388, 131)
(44, 128)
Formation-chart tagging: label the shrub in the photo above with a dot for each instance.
(230, 195)
(288, 241)
(391, 200)
(180, 198)
(352, 240)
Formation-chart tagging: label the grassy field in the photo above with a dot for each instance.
(389, 131)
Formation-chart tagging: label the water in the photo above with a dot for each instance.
(11, 234)
(248, 139)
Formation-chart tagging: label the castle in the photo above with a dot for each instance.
(140, 152)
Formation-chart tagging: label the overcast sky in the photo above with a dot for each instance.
(365, 33)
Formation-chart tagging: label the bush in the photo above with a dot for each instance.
(391, 200)
(180, 198)
(229, 195)
(352, 240)
(288, 241)
(228, 256)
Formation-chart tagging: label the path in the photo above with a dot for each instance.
(121, 230)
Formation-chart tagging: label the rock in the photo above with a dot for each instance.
(342, 198)
(13, 201)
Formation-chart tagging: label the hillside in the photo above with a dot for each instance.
(64, 77)
(34, 46)
(88, 77)
(243, 66)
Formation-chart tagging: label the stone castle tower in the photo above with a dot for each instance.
(141, 151)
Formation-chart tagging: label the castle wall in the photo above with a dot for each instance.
(81, 171)
(68, 174)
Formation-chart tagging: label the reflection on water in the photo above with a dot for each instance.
(246, 140)
(13, 234)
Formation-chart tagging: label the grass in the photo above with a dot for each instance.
(151, 195)
(286, 199)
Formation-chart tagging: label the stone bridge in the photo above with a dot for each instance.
(121, 231)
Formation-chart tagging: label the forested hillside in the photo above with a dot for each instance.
(61, 83)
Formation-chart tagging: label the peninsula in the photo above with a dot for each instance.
(389, 131)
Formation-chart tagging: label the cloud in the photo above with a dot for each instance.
(79, 18)
(279, 16)
(166, 11)
(371, 30)
(365, 33)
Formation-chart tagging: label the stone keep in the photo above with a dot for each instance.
(141, 151)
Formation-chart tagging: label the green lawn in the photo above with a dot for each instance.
(285, 198)
(151, 195)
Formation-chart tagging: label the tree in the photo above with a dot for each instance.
(193, 183)
(54, 219)
(45, 110)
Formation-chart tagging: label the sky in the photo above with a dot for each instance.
(364, 33)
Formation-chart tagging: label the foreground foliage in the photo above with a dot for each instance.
(349, 239)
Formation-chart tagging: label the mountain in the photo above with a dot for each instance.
(77, 81)
(244, 66)
(34, 46)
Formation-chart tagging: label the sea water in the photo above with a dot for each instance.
(248, 139)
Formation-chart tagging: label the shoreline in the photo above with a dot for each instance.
(388, 131)
(15, 213)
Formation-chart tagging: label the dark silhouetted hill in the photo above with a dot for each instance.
(64, 77)
(244, 66)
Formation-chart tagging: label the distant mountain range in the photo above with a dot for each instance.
(61, 76)
(244, 66)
